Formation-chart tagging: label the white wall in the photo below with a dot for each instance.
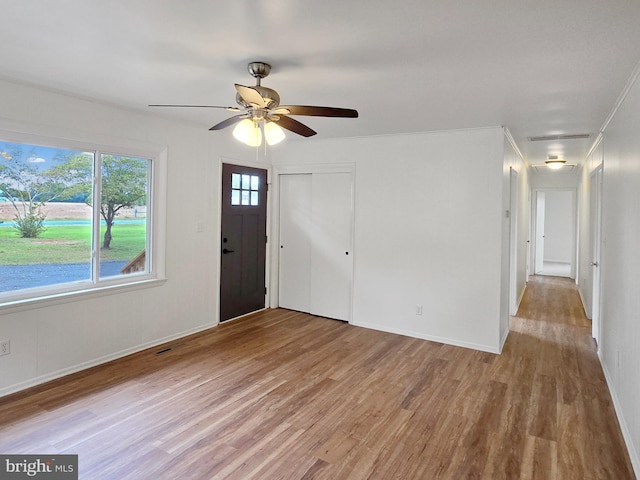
(66, 336)
(620, 263)
(559, 226)
(429, 218)
(554, 179)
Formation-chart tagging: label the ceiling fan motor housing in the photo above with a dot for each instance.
(259, 69)
(270, 96)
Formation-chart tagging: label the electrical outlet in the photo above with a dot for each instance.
(418, 309)
(5, 347)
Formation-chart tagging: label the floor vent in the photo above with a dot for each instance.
(169, 349)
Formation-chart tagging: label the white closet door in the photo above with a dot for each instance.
(295, 242)
(331, 255)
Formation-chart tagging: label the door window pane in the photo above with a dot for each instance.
(244, 189)
(235, 180)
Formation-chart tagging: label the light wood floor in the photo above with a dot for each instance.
(284, 395)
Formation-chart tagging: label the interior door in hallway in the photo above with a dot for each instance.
(539, 238)
(243, 240)
(596, 242)
(316, 265)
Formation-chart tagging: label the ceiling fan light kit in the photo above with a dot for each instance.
(248, 133)
(273, 134)
(264, 116)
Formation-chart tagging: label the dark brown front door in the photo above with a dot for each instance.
(243, 242)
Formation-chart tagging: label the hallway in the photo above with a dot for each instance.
(285, 395)
(574, 424)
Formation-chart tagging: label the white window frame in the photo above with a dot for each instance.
(38, 297)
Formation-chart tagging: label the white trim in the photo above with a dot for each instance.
(619, 101)
(503, 340)
(596, 142)
(432, 338)
(574, 213)
(314, 168)
(19, 132)
(76, 295)
(626, 433)
(98, 361)
(514, 145)
(623, 95)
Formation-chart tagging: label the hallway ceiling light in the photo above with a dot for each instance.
(555, 163)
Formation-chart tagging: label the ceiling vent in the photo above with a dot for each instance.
(547, 138)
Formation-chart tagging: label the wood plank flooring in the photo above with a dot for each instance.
(284, 395)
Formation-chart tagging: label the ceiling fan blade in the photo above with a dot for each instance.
(229, 121)
(295, 126)
(231, 109)
(251, 96)
(280, 111)
(320, 111)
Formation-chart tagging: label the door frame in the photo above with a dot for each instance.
(537, 250)
(574, 226)
(218, 244)
(513, 241)
(595, 253)
(274, 229)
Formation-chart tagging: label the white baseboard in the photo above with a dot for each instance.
(97, 361)
(409, 333)
(628, 439)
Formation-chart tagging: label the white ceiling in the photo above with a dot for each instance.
(538, 67)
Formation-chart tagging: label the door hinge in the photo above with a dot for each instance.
(265, 290)
(266, 239)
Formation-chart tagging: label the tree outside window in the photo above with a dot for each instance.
(52, 229)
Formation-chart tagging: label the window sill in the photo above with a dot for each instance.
(12, 306)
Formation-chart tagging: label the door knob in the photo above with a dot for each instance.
(225, 251)
(595, 264)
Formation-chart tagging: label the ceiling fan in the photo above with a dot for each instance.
(261, 106)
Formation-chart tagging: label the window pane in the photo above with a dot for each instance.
(254, 198)
(255, 181)
(123, 223)
(245, 197)
(235, 180)
(246, 182)
(45, 217)
(235, 197)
